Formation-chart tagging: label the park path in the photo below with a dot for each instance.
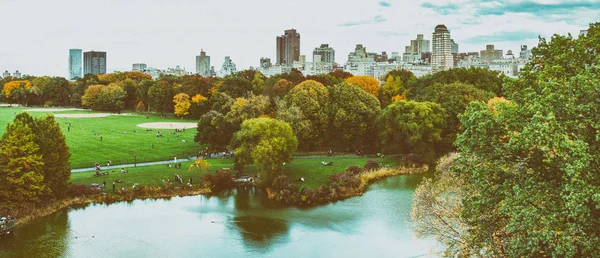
(144, 164)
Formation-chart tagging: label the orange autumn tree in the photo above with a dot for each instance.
(367, 83)
(16, 90)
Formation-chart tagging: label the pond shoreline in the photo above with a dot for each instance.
(366, 178)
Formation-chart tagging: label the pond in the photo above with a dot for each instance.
(239, 223)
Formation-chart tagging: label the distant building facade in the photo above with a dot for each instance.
(441, 54)
(288, 48)
(227, 68)
(525, 53)
(94, 62)
(203, 64)
(139, 67)
(75, 64)
(413, 53)
(17, 74)
(324, 54)
(5, 74)
(490, 54)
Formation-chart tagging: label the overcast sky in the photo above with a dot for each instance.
(37, 35)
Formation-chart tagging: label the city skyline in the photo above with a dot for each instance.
(176, 38)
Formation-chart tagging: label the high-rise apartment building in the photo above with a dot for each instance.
(288, 48)
(94, 62)
(17, 74)
(75, 64)
(324, 53)
(203, 64)
(265, 62)
(441, 56)
(454, 48)
(490, 54)
(5, 74)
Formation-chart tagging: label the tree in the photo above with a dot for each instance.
(140, 107)
(21, 167)
(437, 206)
(16, 91)
(454, 98)
(160, 95)
(391, 88)
(352, 112)
(340, 74)
(182, 104)
(412, 127)
(532, 163)
(91, 95)
(235, 87)
(53, 149)
(367, 83)
(258, 83)
(279, 89)
(266, 143)
(199, 106)
(311, 98)
(214, 131)
(108, 98)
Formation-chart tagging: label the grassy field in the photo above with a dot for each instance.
(120, 141)
(311, 169)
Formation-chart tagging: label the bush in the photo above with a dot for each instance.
(353, 170)
(371, 165)
(412, 160)
(82, 190)
(221, 180)
(48, 103)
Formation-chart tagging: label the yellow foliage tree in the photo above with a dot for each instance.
(9, 87)
(182, 104)
(367, 83)
(198, 98)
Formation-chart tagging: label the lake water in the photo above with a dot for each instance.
(240, 223)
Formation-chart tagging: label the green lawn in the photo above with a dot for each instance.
(87, 148)
(311, 169)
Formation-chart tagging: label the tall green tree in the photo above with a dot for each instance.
(412, 127)
(53, 149)
(532, 164)
(21, 167)
(311, 98)
(353, 112)
(266, 143)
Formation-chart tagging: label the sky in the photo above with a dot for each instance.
(165, 33)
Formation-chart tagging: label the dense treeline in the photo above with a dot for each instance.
(337, 111)
(529, 163)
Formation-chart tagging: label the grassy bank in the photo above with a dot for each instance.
(311, 169)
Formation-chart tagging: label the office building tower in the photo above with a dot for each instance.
(94, 62)
(75, 64)
(203, 64)
(140, 67)
(490, 54)
(288, 48)
(441, 55)
(418, 46)
(17, 74)
(5, 74)
(326, 54)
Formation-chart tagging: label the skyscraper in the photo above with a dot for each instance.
(324, 53)
(418, 47)
(288, 48)
(203, 64)
(94, 62)
(441, 56)
(75, 60)
(227, 68)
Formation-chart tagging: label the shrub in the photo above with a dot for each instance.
(82, 190)
(371, 165)
(221, 180)
(353, 170)
(412, 160)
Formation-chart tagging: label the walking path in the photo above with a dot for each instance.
(144, 164)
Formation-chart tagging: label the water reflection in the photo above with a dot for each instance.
(46, 238)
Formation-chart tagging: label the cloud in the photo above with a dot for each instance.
(563, 10)
(376, 19)
(384, 4)
(441, 9)
(503, 36)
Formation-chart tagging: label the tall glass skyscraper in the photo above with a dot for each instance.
(75, 64)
